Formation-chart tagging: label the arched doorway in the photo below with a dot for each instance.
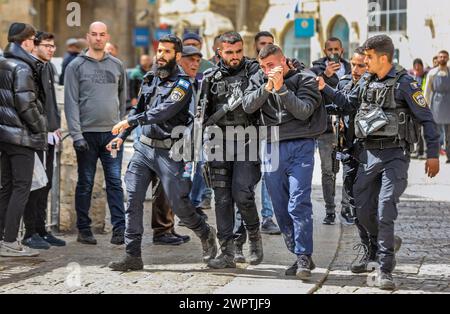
(298, 48)
(339, 28)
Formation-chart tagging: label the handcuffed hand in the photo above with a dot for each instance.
(276, 75)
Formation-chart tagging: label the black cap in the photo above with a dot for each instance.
(15, 29)
(191, 51)
(194, 36)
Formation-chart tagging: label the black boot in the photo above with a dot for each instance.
(118, 237)
(129, 263)
(226, 259)
(209, 245)
(385, 281)
(239, 254)
(86, 237)
(369, 257)
(256, 246)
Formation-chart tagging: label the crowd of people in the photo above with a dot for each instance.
(366, 113)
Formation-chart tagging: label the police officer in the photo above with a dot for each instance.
(350, 159)
(388, 103)
(163, 105)
(350, 148)
(233, 181)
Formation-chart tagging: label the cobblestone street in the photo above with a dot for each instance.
(423, 261)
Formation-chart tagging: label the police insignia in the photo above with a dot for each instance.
(419, 98)
(414, 85)
(218, 75)
(184, 84)
(177, 94)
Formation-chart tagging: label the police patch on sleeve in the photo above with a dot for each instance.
(183, 83)
(177, 94)
(419, 98)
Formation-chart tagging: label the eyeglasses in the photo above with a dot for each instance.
(48, 46)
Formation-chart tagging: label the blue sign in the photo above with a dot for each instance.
(161, 32)
(305, 27)
(141, 37)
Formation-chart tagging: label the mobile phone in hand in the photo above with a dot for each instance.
(114, 150)
(336, 58)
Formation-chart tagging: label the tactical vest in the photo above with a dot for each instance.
(228, 89)
(400, 124)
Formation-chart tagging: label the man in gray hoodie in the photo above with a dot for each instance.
(95, 101)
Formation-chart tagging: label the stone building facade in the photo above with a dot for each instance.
(210, 18)
(418, 30)
(52, 16)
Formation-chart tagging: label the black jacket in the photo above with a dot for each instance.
(51, 106)
(319, 67)
(163, 105)
(22, 114)
(68, 58)
(297, 108)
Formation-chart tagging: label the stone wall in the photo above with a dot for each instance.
(69, 177)
(12, 11)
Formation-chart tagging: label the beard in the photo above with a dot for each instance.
(233, 67)
(164, 71)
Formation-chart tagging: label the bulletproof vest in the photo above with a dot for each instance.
(348, 87)
(380, 115)
(229, 89)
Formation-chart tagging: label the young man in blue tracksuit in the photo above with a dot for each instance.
(289, 100)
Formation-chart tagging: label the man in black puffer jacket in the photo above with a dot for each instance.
(23, 130)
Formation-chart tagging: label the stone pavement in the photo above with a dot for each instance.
(82, 269)
(424, 261)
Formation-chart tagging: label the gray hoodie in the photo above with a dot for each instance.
(95, 94)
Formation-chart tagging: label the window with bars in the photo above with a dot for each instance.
(390, 15)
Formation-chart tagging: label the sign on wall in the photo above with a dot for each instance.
(305, 27)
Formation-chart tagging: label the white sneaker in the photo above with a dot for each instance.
(15, 249)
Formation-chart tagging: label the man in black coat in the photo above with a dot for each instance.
(23, 130)
(332, 68)
(36, 235)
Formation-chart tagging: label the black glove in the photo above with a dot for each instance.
(81, 146)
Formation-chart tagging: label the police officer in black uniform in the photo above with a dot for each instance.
(350, 148)
(233, 181)
(390, 108)
(163, 105)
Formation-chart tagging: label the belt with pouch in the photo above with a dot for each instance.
(162, 144)
(383, 144)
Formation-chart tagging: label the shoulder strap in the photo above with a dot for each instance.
(400, 72)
